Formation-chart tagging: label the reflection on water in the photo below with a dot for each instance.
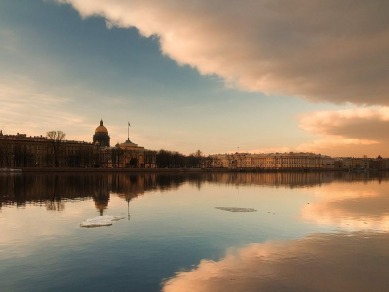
(322, 262)
(324, 231)
(52, 189)
(355, 206)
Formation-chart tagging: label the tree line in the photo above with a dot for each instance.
(174, 159)
(164, 158)
(54, 152)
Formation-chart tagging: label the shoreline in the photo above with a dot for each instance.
(182, 170)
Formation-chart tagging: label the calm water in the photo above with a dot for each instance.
(310, 231)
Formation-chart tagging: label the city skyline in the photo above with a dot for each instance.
(263, 76)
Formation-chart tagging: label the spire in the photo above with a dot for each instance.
(101, 122)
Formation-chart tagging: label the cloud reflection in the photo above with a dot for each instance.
(354, 206)
(331, 262)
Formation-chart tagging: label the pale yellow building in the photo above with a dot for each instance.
(289, 160)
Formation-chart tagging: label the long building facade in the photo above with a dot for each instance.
(292, 160)
(21, 150)
(273, 161)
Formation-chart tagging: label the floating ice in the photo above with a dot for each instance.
(100, 221)
(236, 209)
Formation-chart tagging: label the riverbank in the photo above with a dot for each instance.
(176, 170)
(107, 170)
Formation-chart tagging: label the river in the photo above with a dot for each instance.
(300, 231)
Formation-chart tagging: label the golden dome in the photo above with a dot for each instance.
(101, 128)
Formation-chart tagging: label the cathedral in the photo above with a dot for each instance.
(22, 151)
(101, 135)
(122, 155)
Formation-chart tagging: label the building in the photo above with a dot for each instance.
(289, 160)
(122, 155)
(101, 135)
(22, 151)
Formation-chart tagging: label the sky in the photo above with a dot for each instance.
(220, 76)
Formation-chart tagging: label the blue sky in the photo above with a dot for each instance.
(169, 69)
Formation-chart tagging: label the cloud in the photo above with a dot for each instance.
(339, 146)
(315, 263)
(321, 50)
(364, 129)
(369, 123)
(330, 145)
(355, 131)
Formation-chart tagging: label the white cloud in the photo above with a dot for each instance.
(322, 50)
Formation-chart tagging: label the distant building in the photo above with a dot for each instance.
(293, 160)
(273, 161)
(101, 135)
(354, 163)
(22, 151)
(126, 154)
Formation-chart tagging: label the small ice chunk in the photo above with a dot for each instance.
(98, 221)
(236, 209)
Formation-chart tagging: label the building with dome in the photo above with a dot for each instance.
(22, 151)
(123, 155)
(101, 135)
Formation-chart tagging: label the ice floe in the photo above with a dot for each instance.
(236, 209)
(98, 221)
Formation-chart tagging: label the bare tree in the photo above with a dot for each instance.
(56, 135)
(56, 138)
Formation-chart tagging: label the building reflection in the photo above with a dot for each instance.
(53, 190)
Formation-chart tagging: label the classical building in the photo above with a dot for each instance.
(22, 151)
(122, 155)
(297, 161)
(133, 155)
(101, 135)
(273, 161)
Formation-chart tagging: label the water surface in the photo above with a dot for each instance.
(309, 231)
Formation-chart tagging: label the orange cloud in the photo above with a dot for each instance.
(364, 129)
(321, 50)
(331, 145)
(358, 123)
